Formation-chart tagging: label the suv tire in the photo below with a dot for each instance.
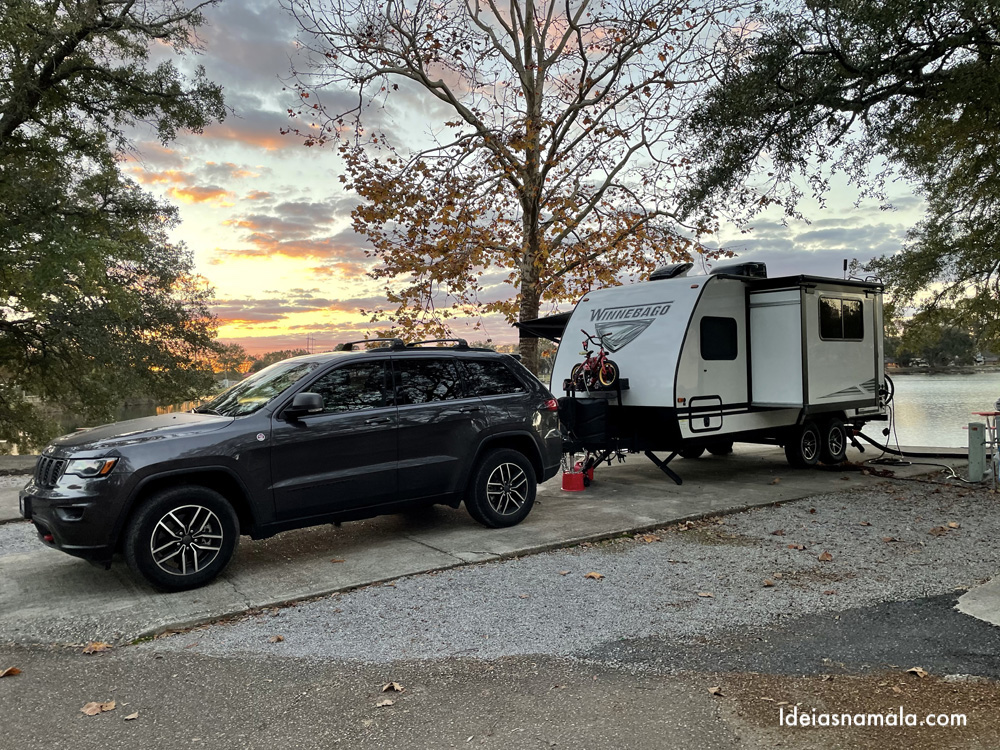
(502, 489)
(181, 538)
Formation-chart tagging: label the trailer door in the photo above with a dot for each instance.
(776, 348)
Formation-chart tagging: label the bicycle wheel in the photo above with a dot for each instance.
(608, 374)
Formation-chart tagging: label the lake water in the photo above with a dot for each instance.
(931, 410)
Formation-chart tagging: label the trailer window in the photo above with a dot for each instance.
(841, 319)
(719, 338)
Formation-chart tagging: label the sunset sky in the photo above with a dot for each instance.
(270, 226)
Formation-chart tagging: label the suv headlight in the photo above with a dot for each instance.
(90, 467)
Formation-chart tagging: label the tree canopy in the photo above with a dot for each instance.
(548, 164)
(875, 89)
(95, 303)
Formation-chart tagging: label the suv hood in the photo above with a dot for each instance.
(142, 430)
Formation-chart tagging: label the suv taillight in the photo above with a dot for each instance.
(550, 405)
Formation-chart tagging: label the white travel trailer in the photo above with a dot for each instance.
(732, 356)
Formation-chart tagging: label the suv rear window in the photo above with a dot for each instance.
(421, 381)
(491, 378)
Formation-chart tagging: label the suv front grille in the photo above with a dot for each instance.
(48, 470)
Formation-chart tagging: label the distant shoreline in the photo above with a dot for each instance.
(951, 370)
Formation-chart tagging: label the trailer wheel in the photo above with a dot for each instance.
(721, 449)
(691, 452)
(834, 448)
(802, 447)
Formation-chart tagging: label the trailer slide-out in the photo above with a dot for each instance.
(706, 361)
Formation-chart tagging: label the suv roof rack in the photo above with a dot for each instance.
(458, 343)
(348, 346)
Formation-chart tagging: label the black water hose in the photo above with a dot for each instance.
(895, 452)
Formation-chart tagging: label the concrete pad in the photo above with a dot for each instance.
(982, 602)
(47, 596)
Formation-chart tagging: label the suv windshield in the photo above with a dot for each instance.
(251, 394)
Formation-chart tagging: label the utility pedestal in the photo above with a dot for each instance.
(977, 451)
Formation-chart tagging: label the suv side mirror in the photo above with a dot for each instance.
(303, 404)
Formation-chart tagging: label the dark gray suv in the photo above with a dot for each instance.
(317, 439)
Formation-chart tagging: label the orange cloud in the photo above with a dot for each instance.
(267, 141)
(199, 194)
(174, 176)
(257, 195)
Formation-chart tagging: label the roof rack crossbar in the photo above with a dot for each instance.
(348, 346)
(459, 343)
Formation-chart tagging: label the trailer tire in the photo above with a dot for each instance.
(833, 449)
(802, 447)
(721, 449)
(691, 452)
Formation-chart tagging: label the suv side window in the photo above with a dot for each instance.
(421, 381)
(353, 387)
(491, 378)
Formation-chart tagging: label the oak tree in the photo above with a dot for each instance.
(96, 304)
(877, 90)
(497, 147)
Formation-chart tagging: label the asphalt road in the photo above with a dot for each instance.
(516, 654)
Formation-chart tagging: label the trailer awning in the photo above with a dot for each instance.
(550, 328)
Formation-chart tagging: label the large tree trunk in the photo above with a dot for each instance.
(528, 345)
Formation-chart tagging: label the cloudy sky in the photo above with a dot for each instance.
(270, 226)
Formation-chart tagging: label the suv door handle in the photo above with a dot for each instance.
(379, 420)
(470, 409)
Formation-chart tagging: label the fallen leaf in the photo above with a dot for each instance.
(650, 538)
(888, 539)
(523, 596)
(938, 531)
(897, 689)
(96, 647)
(276, 639)
(716, 691)
(706, 594)
(392, 687)
(132, 717)
(564, 572)
(10, 672)
(845, 479)
(797, 546)
(864, 523)
(953, 525)
(337, 560)
(829, 592)
(812, 510)
(778, 532)
(768, 583)
(778, 576)
(386, 702)
(95, 707)
(594, 575)
(776, 480)
(918, 671)
(825, 557)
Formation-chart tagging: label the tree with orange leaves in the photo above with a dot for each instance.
(544, 156)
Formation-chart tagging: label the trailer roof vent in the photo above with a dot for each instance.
(751, 270)
(672, 271)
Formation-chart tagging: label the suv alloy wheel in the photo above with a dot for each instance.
(182, 537)
(503, 489)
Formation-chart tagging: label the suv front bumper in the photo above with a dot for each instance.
(78, 520)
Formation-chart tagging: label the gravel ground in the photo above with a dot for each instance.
(18, 538)
(16, 481)
(892, 543)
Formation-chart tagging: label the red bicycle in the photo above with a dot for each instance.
(596, 371)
